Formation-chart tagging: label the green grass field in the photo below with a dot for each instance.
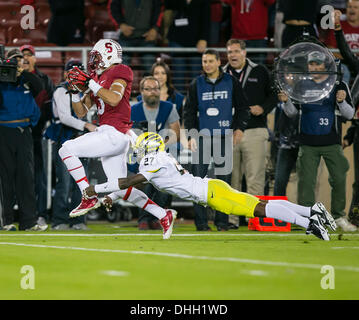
(116, 261)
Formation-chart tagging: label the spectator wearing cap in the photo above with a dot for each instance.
(15, 54)
(18, 113)
(65, 125)
(44, 102)
(316, 56)
(320, 135)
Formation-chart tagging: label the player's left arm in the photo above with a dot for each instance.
(111, 96)
(125, 183)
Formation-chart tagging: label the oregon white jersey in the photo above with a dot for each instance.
(166, 174)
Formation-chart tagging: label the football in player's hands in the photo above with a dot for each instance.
(72, 90)
(78, 79)
(80, 88)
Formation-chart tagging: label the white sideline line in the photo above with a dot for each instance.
(186, 256)
(254, 234)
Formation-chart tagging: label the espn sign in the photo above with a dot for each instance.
(269, 224)
(214, 95)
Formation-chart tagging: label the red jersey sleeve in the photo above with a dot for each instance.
(119, 116)
(120, 71)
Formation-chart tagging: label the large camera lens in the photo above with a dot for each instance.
(306, 72)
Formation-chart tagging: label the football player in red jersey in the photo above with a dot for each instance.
(109, 87)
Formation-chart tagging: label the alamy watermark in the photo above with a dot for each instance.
(327, 21)
(28, 280)
(28, 20)
(328, 280)
(214, 146)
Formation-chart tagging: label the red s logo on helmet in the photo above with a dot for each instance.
(108, 46)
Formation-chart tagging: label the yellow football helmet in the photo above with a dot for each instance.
(148, 142)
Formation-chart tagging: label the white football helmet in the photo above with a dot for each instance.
(105, 53)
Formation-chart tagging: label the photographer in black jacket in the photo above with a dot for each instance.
(18, 113)
(249, 157)
(352, 136)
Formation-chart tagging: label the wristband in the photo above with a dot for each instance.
(75, 97)
(94, 86)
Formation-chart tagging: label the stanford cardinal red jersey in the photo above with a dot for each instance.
(119, 116)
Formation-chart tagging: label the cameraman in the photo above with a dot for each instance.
(18, 113)
(320, 132)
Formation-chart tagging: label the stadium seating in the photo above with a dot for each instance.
(10, 8)
(97, 21)
(3, 36)
(49, 58)
(37, 2)
(18, 36)
(73, 55)
(43, 14)
(10, 14)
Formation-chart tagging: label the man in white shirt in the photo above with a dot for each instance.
(65, 126)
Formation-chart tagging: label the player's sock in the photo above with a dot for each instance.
(113, 196)
(280, 212)
(75, 168)
(303, 211)
(139, 199)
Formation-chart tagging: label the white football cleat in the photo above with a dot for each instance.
(324, 215)
(317, 228)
